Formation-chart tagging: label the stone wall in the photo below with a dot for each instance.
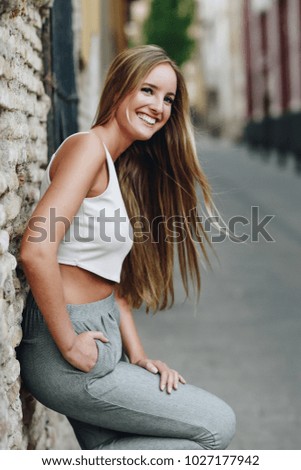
(24, 105)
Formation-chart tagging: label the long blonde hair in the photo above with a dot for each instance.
(158, 180)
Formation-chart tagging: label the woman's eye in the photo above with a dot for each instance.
(168, 100)
(147, 90)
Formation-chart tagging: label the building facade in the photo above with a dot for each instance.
(221, 46)
(99, 35)
(273, 73)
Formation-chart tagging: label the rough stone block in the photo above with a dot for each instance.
(12, 204)
(3, 183)
(4, 405)
(4, 241)
(11, 371)
(2, 219)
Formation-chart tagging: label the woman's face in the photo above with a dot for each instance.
(145, 111)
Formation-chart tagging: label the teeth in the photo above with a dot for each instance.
(147, 118)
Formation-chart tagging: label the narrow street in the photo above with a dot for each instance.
(242, 342)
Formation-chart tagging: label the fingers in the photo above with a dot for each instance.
(98, 335)
(170, 378)
(163, 380)
(149, 366)
(175, 382)
(182, 380)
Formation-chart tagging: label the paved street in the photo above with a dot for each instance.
(242, 342)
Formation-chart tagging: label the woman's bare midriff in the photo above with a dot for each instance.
(82, 287)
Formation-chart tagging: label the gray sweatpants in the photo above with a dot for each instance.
(117, 405)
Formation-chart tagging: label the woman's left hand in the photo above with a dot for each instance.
(169, 377)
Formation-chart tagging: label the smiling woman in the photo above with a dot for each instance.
(81, 354)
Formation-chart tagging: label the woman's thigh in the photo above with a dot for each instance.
(129, 399)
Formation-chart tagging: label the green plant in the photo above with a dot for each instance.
(168, 26)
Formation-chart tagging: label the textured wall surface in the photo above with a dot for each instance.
(24, 105)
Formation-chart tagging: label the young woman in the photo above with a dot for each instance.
(81, 354)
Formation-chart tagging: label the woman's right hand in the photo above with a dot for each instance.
(83, 353)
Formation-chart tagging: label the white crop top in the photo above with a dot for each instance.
(100, 235)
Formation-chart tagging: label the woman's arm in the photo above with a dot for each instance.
(80, 160)
(136, 354)
(130, 339)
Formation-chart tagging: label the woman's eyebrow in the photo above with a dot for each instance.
(156, 88)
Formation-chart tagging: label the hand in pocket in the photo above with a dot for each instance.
(84, 351)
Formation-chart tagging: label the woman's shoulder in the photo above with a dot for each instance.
(82, 139)
(79, 149)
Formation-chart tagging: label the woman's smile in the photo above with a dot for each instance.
(148, 119)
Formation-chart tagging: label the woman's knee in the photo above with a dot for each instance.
(218, 433)
(227, 427)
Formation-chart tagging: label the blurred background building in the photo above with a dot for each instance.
(99, 28)
(242, 63)
(222, 55)
(273, 74)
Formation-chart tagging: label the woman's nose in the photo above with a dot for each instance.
(157, 105)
